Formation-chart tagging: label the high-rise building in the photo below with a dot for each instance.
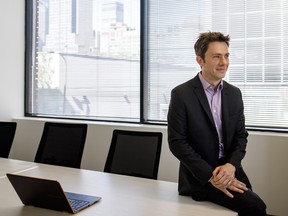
(70, 27)
(117, 39)
(112, 13)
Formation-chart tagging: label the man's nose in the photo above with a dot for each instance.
(224, 60)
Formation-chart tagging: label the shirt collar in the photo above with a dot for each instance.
(207, 85)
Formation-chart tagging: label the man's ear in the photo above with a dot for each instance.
(199, 60)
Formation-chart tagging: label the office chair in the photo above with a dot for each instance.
(134, 153)
(7, 133)
(62, 144)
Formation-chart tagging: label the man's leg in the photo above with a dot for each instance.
(246, 204)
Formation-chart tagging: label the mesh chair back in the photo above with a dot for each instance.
(7, 133)
(62, 144)
(134, 153)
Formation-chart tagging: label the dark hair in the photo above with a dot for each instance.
(205, 39)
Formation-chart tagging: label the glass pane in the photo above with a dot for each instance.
(258, 48)
(87, 59)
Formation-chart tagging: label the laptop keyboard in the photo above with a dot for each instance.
(77, 204)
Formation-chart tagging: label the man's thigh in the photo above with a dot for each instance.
(248, 203)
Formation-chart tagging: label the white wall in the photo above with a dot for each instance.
(266, 161)
(12, 22)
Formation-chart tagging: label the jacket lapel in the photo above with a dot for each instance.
(199, 92)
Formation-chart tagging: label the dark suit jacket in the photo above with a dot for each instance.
(193, 138)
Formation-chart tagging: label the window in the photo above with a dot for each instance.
(84, 58)
(259, 53)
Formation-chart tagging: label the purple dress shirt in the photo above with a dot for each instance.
(214, 100)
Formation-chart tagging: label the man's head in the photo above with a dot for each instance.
(212, 54)
(201, 45)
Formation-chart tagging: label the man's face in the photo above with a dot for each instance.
(216, 62)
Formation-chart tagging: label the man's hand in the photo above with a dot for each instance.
(223, 175)
(223, 178)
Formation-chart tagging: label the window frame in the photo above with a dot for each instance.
(30, 17)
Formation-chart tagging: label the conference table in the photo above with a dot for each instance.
(121, 195)
(13, 166)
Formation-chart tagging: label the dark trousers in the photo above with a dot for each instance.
(246, 204)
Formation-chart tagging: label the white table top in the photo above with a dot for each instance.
(14, 166)
(121, 195)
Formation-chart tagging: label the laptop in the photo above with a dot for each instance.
(45, 193)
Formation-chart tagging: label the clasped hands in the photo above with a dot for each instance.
(223, 178)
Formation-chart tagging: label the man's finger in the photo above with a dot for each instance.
(228, 193)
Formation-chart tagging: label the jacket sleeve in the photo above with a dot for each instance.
(179, 142)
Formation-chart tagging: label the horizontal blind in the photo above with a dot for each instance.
(258, 60)
(171, 33)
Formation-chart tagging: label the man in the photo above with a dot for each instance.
(206, 132)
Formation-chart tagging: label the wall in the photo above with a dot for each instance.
(12, 22)
(265, 162)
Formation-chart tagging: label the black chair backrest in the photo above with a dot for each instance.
(7, 133)
(134, 153)
(62, 144)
